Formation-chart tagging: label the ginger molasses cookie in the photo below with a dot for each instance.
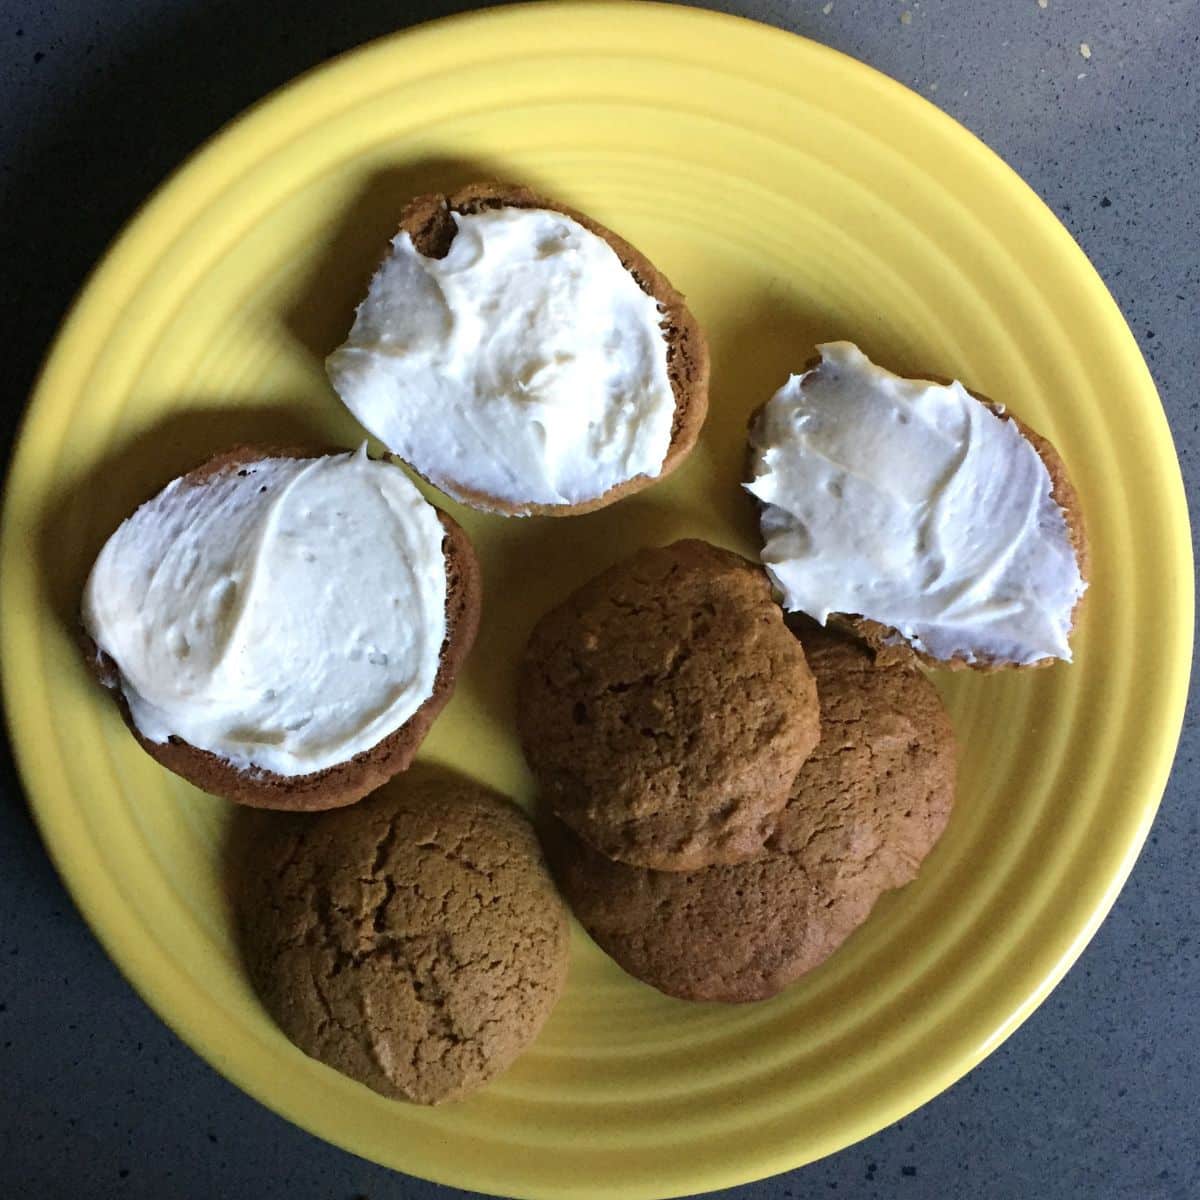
(522, 357)
(414, 942)
(919, 514)
(282, 627)
(665, 708)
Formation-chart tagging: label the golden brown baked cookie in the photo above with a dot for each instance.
(345, 782)
(864, 812)
(414, 942)
(665, 708)
(427, 221)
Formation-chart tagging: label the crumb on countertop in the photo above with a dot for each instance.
(906, 18)
(1085, 50)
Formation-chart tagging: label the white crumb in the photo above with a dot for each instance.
(828, 8)
(1043, 3)
(933, 87)
(1085, 50)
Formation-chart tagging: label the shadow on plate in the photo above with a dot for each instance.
(754, 349)
(89, 128)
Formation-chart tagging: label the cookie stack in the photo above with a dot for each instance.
(731, 795)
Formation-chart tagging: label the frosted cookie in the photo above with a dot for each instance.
(665, 708)
(919, 514)
(523, 358)
(864, 811)
(414, 942)
(282, 629)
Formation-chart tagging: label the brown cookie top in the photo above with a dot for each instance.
(414, 942)
(665, 708)
(865, 810)
(427, 221)
(346, 782)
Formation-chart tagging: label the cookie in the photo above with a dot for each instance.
(414, 942)
(526, 438)
(918, 514)
(665, 708)
(864, 812)
(339, 783)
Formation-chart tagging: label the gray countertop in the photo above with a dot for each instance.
(1097, 1095)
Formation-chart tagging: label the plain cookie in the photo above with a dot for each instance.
(665, 708)
(865, 810)
(414, 942)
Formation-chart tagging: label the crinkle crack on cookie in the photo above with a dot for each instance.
(415, 942)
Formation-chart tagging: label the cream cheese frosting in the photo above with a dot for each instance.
(284, 615)
(912, 504)
(525, 366)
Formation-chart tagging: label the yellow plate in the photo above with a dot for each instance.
(795, 195)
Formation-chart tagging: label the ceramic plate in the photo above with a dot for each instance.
(795, 196)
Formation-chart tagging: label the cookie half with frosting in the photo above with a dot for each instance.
(281, 628)
(918, 514)
(523, 358)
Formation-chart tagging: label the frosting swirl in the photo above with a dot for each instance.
(913, 504)
(285, 615)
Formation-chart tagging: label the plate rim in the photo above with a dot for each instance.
(139, 968)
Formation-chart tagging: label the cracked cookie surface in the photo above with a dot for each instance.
(864, 812)
(665, 708)
(414, 942)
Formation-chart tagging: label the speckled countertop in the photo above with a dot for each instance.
(1097, 105)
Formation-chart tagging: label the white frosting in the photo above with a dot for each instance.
(285, 616)
(910, 503)
(527, 365)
